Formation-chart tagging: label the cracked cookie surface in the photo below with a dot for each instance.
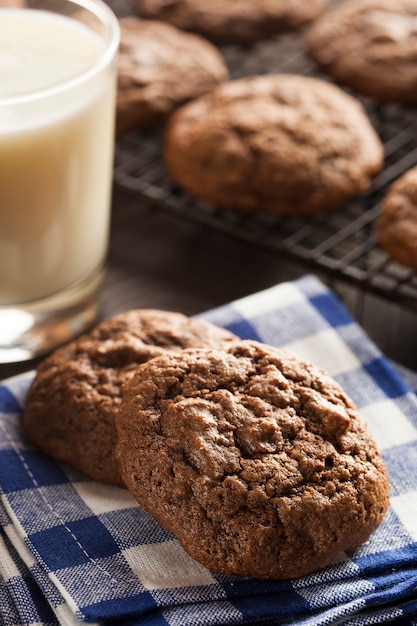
(282, 143)
(396, 227)
(258, 462)
(159, 68)
(71, 404)
(233, 21)
(371, 46)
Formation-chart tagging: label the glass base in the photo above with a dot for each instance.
(32, 329)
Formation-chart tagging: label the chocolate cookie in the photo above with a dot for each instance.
(71, 405)
(258, 462)
(370, 45)
(159, 68)
(283, 143)
(233, 21)
(396, 227)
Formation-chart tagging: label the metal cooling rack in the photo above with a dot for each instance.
(341, 243)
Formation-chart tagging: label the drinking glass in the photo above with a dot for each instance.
(57, 108)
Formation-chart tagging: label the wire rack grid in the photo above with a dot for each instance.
(341, 243)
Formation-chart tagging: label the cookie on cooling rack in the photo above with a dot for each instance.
(371, 46)
(257, 461)
(233, 21)
(396, 227)
(71, 405)
(287, 144)
(160, 68)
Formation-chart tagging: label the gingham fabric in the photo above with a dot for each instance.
(74, 550)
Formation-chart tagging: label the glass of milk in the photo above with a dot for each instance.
(57, 110)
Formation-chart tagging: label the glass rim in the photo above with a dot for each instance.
(106, 16)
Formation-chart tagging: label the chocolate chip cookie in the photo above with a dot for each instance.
(257, 461)
(160, 68)
(72, 402)
(396, 227)
(283, 143)
(233, 21)
(371, 46)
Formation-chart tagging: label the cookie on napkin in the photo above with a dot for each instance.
(282, 143)
(233, 21)
(71, 405)
(396, 227)
(160, 68)
(257, 461)
(371, 46)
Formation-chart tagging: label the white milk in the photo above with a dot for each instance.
(56, 155)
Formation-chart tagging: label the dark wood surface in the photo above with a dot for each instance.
(163, 261)
(159, 260)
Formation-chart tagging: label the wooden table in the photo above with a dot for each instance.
(160, 260)
(163, 261)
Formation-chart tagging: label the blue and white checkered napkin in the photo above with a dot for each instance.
(72, 549)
